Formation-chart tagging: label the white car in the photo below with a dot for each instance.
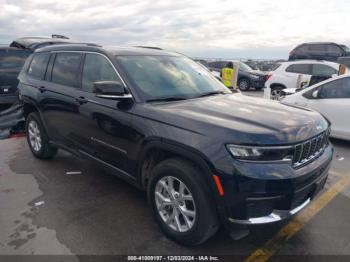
(295, 74)
(331, 98)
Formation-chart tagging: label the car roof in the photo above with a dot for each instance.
(112, 50)
(320, 43)
(309, 61)
(10, 48)
(33, 43)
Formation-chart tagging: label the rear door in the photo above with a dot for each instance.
(11, 63)
(334, 103)
(292, 74)
(60, 107)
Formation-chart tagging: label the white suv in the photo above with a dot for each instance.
(296, 74)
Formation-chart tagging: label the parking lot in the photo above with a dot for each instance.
(46, 211)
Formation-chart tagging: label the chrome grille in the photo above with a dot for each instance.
(310, 149)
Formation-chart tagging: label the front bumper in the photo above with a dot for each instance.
(261, 200)
(257, 83)
(275, 216)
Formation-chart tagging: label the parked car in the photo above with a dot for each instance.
(33, 43)
(286, 74)
(162, 122)
(319, 51)
(247, 77)
(12, 59)
(332, 99)
(11, 62)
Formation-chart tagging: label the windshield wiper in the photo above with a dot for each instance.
(213, 93)
(166, 99)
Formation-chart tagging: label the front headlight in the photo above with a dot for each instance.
(256, 153)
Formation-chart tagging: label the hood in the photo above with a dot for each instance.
(239, 119)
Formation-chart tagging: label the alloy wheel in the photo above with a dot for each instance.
(175, 204)
(275, 94)
(34, 135)
(243, 85)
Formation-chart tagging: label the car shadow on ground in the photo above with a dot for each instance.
(97, 213)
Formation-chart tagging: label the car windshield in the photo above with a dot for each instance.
(169, 77)
(244, 67)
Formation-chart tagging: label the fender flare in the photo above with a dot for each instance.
(29, 101)
(182, 150)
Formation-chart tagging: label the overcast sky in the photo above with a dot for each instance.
(226, 29)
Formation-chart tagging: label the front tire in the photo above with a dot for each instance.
(37, 138)
(276, 92)
(181, 202)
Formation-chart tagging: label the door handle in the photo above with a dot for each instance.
(81, 100)
(42, 89)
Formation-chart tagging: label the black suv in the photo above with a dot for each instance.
(320, 51)
(246, 78)
(162, 122)
(11, 62)
(12, 59)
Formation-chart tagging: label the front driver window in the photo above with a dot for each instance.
(336, 89)
(97, 68)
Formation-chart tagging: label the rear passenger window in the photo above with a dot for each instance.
(38, 65)
(334, 50)
(317, 47)
(66, 69)
(323, 70)
(300, 69)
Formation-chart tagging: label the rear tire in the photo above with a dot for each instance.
(201, 222)
(243, 84)
(37, 138)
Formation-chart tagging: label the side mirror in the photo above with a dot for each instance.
(315, 94)
(110, 90)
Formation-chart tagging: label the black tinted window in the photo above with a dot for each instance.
(334, 50)
(275, 67)
(97, 68)
(317, 47)
(10, 59)
(336, 89)
(299, 69)
(38, 65)
(323, 70)
(65, 69)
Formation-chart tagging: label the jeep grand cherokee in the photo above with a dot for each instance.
(205, 156)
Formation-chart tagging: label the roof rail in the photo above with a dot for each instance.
(59, 36)
(149, 47)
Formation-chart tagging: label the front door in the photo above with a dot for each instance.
(104, 124)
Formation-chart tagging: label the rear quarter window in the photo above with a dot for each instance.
(38, 65)
(275, 67)
(304, 69)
